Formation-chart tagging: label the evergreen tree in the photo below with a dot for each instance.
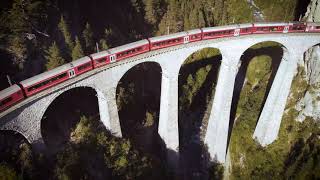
(77, 51)
(150, 11)
(88, 38)
(103, 44)
(63, 27)
(54, 58)
(19, 29)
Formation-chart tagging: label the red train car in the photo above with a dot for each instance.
(219, 32)
(245, 29)
(263, 28)
(295, 27)
(10, 96)
(168, 40)
(128, 50)
(47, 79)
(100, 59)
(82, 65)
(194, 35)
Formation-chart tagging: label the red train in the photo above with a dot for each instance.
(38, 83)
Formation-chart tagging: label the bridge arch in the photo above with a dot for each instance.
(138, 101)
(198, 77)
(254, 80)
(64, 111)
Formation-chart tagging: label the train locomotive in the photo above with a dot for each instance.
(29, 87)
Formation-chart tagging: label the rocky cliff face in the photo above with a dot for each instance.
(313, 11)
(309, 105)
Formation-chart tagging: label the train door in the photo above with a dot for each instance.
(71, 73)
(113, 58)
(236, 32)
(186, 39)
(286, 29)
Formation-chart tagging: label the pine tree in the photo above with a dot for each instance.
(88, 38)
(54, 58)
(18, 29)
(63, 27)
(77, 51)
(150, 11)
(103, 44)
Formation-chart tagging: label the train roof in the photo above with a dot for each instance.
(100, 54)
(245, 25)
(8, 91)
(128, 46)
(194, 31)
(80, 61)
(217, 28)
(43, 76)
(169, 36)
(260, 24)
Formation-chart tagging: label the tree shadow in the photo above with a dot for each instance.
(193, 120)
(64, 113)
(138, 101)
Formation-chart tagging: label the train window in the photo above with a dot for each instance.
(6, 101)
(317, 27)
(101, 60)
(245, 29)
(298, 27)
(47, 82)
(84, 66)
(274, 29)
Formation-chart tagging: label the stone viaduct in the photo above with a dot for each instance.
(26, 116)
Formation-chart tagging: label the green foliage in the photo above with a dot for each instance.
(7, 173)
(54, 58)
(92, 146)
(216, 171)
(87, 35)
(17, 29)
(275, 10)
(195, 81)
(149, 119)
(239, 12)
(294, 155)
(205, 53)
(103, 44)
(152, 11)
(258, 68)
(64, 28)
(298, 88)
(77, 51)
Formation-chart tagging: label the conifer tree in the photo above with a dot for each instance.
(54, 58)
(77, 51)
(88, 38)
(63, 27)
(103, 44)
(150, 11)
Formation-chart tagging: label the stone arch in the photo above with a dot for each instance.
(259, 66)
(16, 133)
(198, 77)
(63, 105)
(138, 101)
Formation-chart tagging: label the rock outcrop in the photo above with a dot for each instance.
(309, 105)
(313, 11)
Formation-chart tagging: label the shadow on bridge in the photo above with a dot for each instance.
(197, 80)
